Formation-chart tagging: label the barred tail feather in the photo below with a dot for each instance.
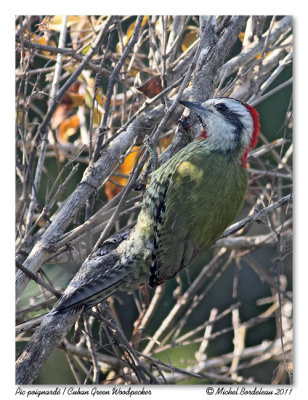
(96, 280)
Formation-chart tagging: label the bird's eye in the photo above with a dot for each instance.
(221, 107)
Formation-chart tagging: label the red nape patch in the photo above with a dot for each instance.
(203, 134)
(244, 159)
(256, 125)
(256, 129)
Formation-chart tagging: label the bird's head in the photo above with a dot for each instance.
(228, 124)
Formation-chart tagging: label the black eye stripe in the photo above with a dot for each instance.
(230, 116)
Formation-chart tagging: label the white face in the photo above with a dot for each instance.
(227, 122)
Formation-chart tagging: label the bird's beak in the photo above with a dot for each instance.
(197, 108)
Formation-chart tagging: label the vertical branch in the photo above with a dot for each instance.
(178, 28)
(91, 345)
(53, 91)
(96, 85)
(112, 81)
(164, 48)
(260, 61)
(200, 354)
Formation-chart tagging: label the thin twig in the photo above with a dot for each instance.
(256, 216)
(38, 280)
(273, 91)
(112, 81)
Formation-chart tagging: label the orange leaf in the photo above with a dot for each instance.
(133, 72)
(58, 116)
(70, 100)
(241, 36)
(111, 189)
(166, 141)
(76, 99)
(264, 57)
(42, 40)
(151, 87)
(189, 39)
(68, 128)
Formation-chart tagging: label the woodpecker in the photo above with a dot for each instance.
(189, 202)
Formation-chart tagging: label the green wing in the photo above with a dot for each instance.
(202, 193)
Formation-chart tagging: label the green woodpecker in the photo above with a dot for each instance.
(189, 202)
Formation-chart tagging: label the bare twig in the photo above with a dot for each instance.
(256, 216)
(112, 81)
